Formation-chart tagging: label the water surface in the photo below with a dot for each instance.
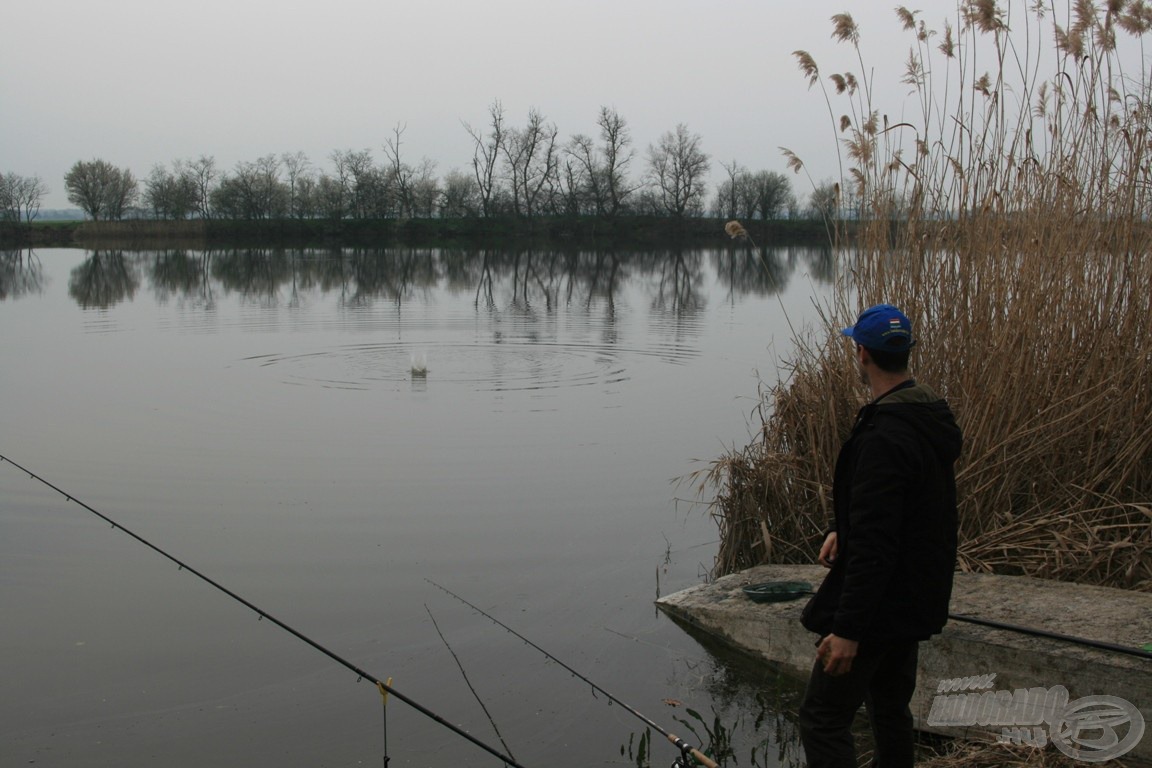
(255, 413)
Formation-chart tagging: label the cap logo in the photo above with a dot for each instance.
(882, 326)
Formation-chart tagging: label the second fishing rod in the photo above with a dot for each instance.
(384, 687)
(687, 751)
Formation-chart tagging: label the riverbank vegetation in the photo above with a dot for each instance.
(1007, 212)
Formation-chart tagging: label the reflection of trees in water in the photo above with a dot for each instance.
(326, 270)
(20, 273)
(523, 279)
(767, 270)
(395, 274)
(255, 273)
(539, 278)
(605, 277)
(679, 279)
(485, 281)
(526, 279)
(762, 271)
(821, 264)
(102, 280)
(182, 275)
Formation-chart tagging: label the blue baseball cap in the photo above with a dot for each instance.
(882, 327)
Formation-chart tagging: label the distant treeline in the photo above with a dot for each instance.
(517, 172)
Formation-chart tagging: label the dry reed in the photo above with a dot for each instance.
(141, 233)
(967, 754)
(1012, 226)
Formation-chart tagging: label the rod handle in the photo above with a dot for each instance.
(697, 755)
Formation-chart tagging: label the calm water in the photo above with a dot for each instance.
(255, 413)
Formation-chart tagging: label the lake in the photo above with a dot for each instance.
(256, 414)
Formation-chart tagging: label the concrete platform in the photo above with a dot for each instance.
(971, 661)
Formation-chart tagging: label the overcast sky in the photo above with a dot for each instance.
(146, 82)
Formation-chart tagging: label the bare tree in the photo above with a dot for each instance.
(415, 187)
(170, 194)
(402, 173)
(9, 211)
(298, 173)
(425, 189)
(618, 154)
(30, 194)
(727, 203)
(20, 197)
(582, 174)
(341, 182)
(460, 196)
(232, 197)
(331, 198)
(769, 195)
(367, 188)
(204, 176)
(747, 195)
(272, 194)
(824, 201)
(486, 156)
(254, 191)
(532, 161)
(100, 189)
(122, 194)
(677, 169)
(306, 204)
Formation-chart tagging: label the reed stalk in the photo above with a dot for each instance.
(1009, 218)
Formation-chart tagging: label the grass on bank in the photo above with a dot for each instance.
(1009, 218)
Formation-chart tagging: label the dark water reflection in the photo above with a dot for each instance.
(255, 412)
(21, 273)
(537, 278)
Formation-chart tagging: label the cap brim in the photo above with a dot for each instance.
(848, 331)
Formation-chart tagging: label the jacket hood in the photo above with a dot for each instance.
(922, 409)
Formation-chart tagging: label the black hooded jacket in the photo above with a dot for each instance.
(894, 495)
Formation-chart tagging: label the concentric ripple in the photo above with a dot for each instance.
(493, 366)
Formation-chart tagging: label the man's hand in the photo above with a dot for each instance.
(829, 550)
(836, 653)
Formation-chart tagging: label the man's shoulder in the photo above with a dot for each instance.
(916, 393)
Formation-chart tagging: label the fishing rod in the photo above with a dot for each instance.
(685, 748)
(1054, 635)
(361, 674)
(782, 591)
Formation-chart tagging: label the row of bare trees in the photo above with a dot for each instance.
(516, 170)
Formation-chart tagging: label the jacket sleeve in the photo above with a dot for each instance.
(879, 487)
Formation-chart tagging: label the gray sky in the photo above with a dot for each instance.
(141, 82)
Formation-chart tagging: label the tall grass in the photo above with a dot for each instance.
(1009, 217)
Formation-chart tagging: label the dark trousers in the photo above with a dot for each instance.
(883, 677)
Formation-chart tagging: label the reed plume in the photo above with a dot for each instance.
(736, 230)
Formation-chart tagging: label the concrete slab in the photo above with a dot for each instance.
(968, 664)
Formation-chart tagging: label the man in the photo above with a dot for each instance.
(892, 553)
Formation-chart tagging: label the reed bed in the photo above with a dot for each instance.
(1010, 219)
(140, 233)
